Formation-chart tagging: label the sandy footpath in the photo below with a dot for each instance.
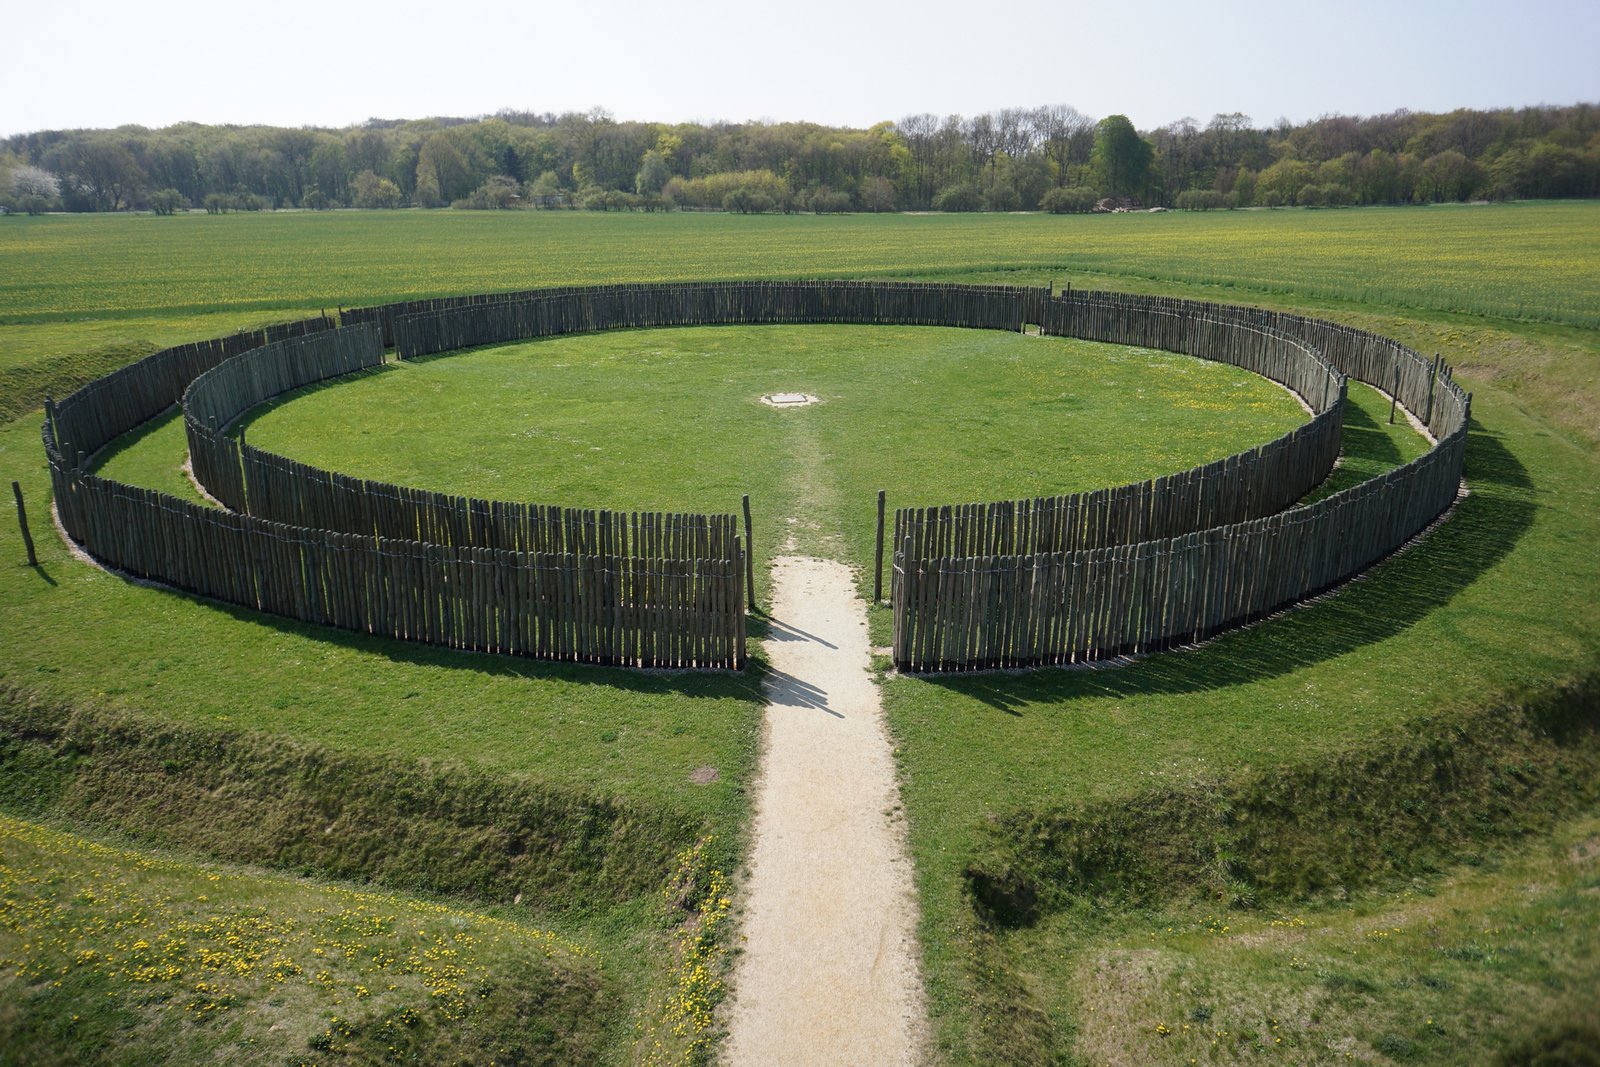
(828, 970)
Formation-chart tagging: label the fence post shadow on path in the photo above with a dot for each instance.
(784, 689)
(1395, 594)
(778, 630)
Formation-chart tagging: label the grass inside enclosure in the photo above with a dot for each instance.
(672, 420)
(153, 456)
(105, 951)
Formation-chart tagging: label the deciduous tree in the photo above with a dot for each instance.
(1121, 158)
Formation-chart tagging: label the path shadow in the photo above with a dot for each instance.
(786, 690)
(777, 630)
(1391, 597)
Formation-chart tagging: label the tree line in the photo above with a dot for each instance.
(1047, 158)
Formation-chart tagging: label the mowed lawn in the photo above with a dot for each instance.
(1501, 600)
(672, 420)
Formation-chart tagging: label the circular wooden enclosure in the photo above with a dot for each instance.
(1013, 583)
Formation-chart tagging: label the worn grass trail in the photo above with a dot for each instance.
(829, 968)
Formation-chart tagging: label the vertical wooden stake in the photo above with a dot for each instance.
(22, 521)
(1433, 379)
(877, 580)
(1394, 395)
(749, 558)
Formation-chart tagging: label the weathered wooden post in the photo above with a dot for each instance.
(1433, 379)
(1394, 394)
(749, 558)
(22, 521)
(877, 580)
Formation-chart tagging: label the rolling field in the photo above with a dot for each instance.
(1483, 623)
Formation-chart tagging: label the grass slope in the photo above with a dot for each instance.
(109, 956)
(1497, 962)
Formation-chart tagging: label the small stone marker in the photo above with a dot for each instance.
(788, 400)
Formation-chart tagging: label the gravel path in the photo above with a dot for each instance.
(828, 972)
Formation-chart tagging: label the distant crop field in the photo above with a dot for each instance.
(1524, 261)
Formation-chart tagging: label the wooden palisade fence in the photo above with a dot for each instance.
(1008, 584)
(1175, 560)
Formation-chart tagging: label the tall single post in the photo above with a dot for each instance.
(22, 521)
(877, 580)
(1394, 394)
(1433, 379)
(749, 558)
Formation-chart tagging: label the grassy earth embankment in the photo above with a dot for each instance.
(115, 956)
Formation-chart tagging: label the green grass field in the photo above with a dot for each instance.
(671, 420)
(111, 956)
(1487, 961)
(1497, 604)
(1527, 261)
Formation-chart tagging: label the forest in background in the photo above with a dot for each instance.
(1052, 158)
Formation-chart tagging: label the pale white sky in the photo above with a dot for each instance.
(98, 64)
